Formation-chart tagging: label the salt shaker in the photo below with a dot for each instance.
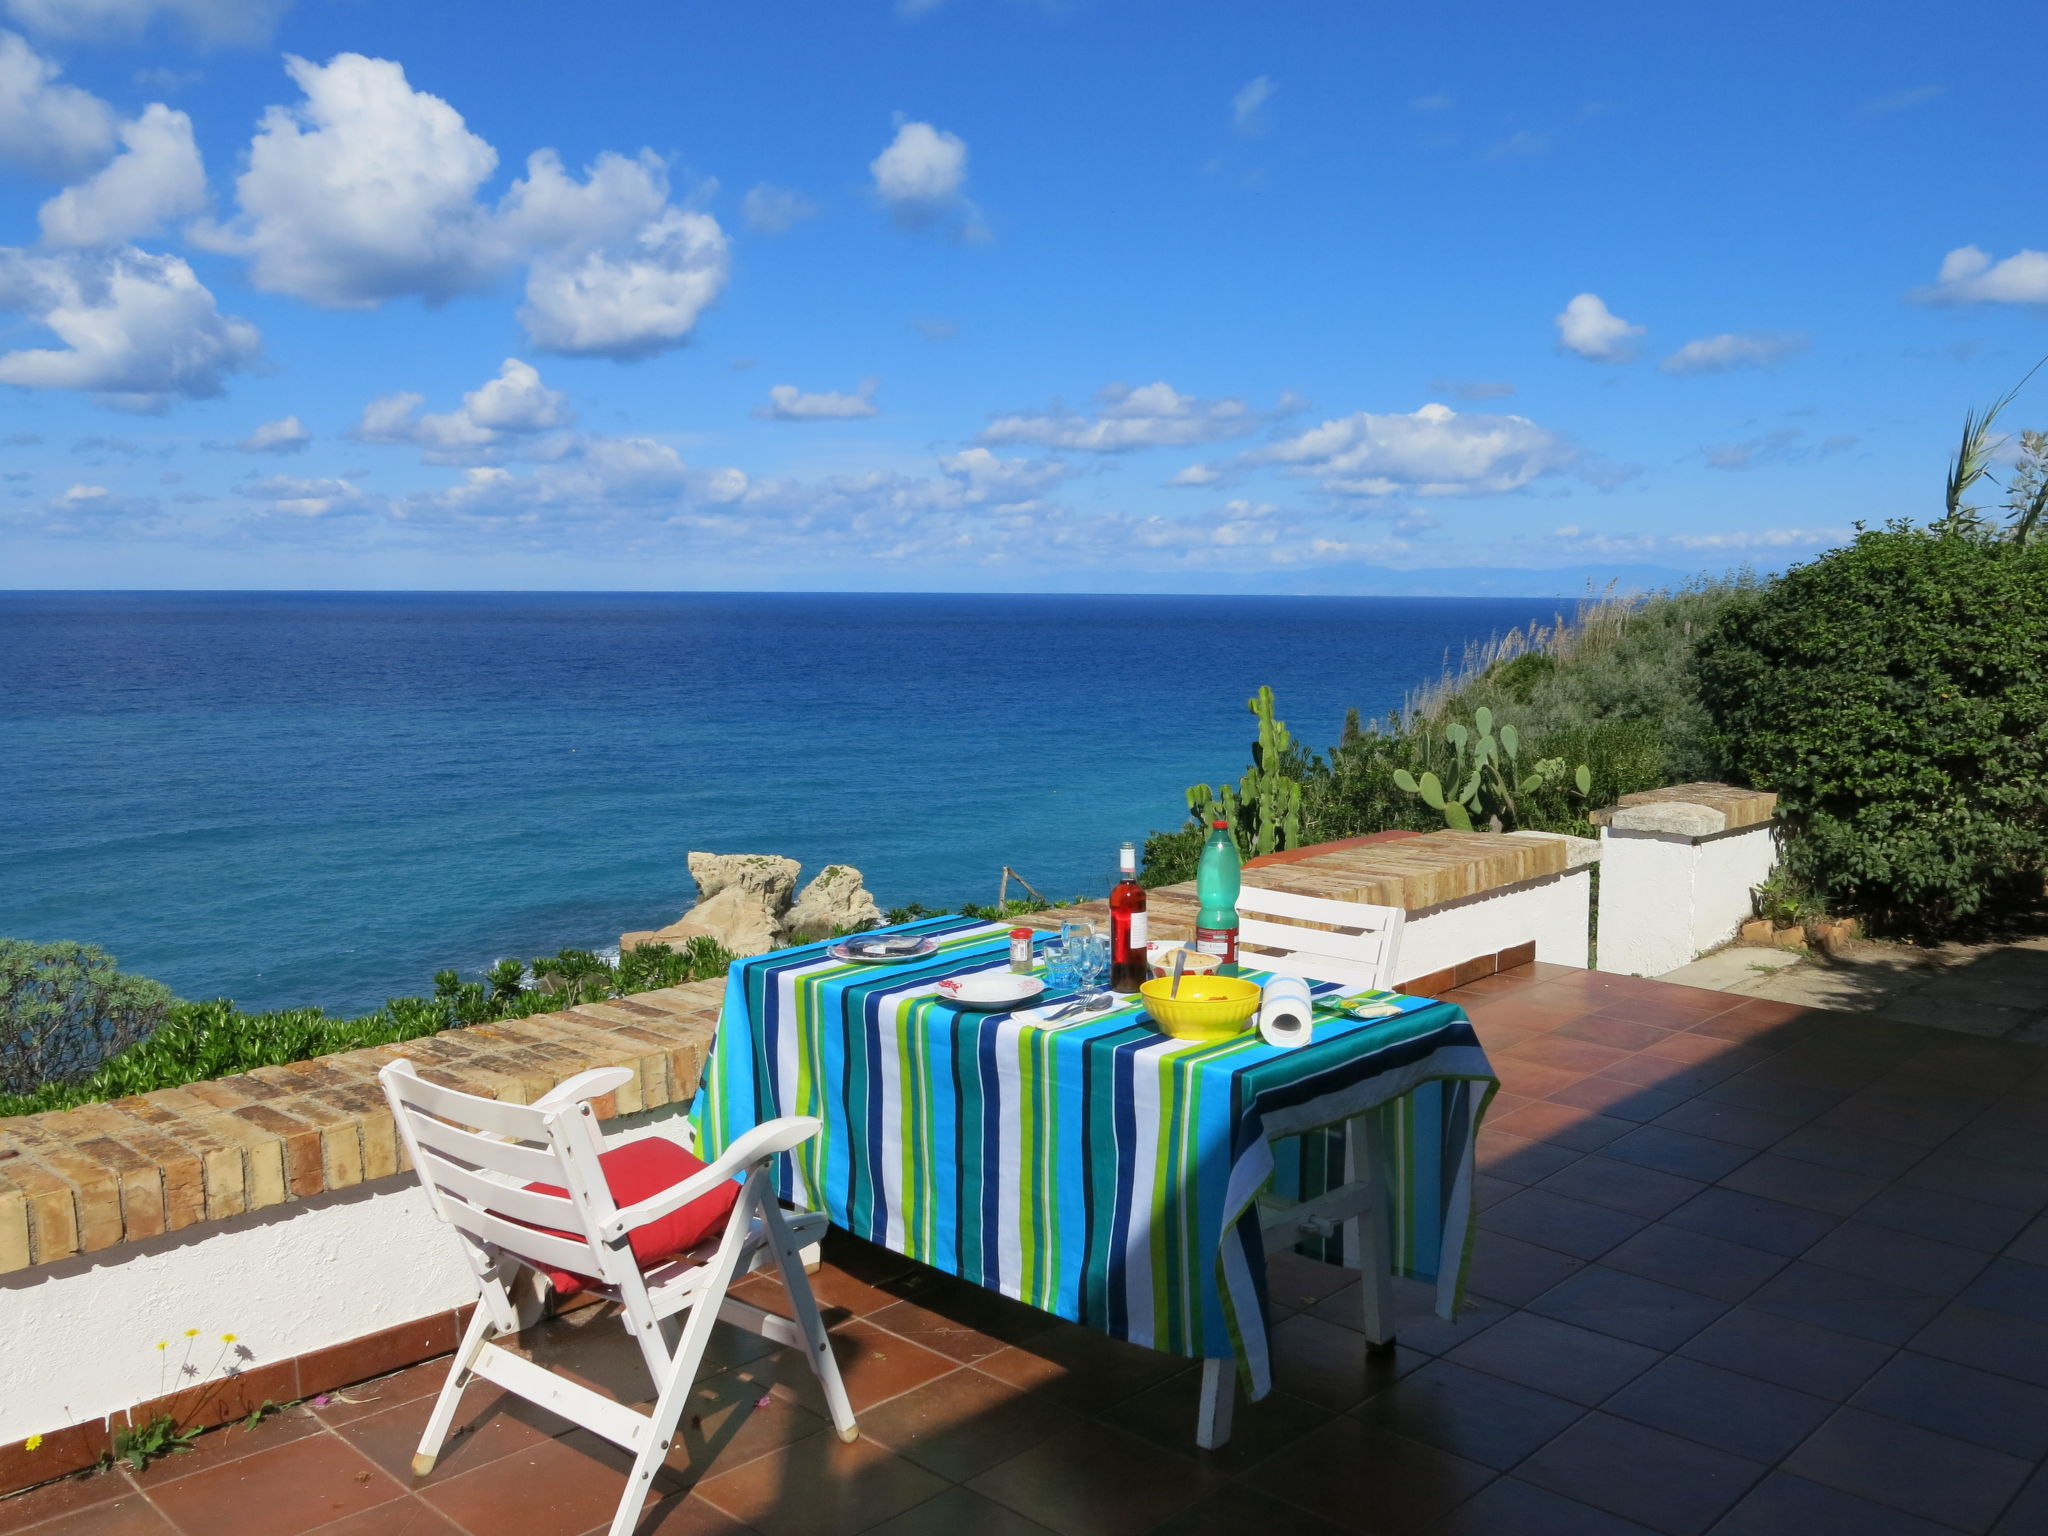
(1020, 950)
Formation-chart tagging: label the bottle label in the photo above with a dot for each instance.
(1140, 932)
(1217, 941)
(1127, 861)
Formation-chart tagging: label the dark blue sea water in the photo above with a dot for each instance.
(294, 798)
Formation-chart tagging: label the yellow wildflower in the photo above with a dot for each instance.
(32, 1442)
(163, 1343)
(227, 1338)
(191, 1333)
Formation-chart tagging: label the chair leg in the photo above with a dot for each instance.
(1219, 1397)
(805, 1305)
(474, 1338)
(1368, 1231)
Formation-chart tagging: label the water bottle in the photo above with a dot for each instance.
(1216, 882)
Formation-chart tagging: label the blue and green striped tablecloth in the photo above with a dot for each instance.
(1099, 1170)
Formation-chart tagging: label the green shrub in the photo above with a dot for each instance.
(64, 1009)
(1895, 695)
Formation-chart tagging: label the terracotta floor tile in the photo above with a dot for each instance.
(1784, 1505)
(1668, 1483)
(547, 1489)
(1669, 1151)
(1991, 1341)
(1472, 1414)
(1621, 1034)
(2000, 1183)
(1791, 1354)
(489, 1423)
(1793, 1100)
(957, 1512)
(1644, 1070)
(1921, 1262)
(1554, 1357)
(965, 1422)
(1562, 1125)
(1081, 1370)
(1510, 1507)
(1518, 1159)
(1725, 1409)
(821, 1486)
(1295, 1282)
(386, 1392)
(1925, 1474)
(1331, 1366)
(1578, 1057)
(1095, 1481)
(1752, 1128)
(1514, 1272)
(1364, 1479)
(1675, 1007)
(733, 1417)
(1691, 1046)
(875, 1365)
(1416, 1324)
(1235, 1511)
(1166, 1416)
(129, 1515)
(835, 1290)
(863, 1260)
(1862, 1306)
(61, 1498)
(1945, 1216)
(1693, 1262)
(1552, 1220)
(1962, 1402)
(1532, 1078)
(282, 1491)
(2013, 1287)
(1837, 1191)
(1879, 1156)
(1627, 1306)
(227, 1443)
(676, 1514)
(2032, 1244)
(1620, 1101)
(1622, 1186)
(1752, 1220)
(2028, 1513)
(1496, 1036)
(405, 1517)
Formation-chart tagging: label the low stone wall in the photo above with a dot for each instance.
(277, 1206)
(1678, 871)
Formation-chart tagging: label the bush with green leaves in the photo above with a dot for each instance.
(64, 1009)
(1894, 693)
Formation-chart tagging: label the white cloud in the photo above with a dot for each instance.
(135, 326)
(1431, 452)
(505, 414)
(364, 192)
(1718, 354)
(1734, 540)
(1588, 327)
(1248, 106)
(922, 176)
(1197, 475)
(157, 177)
(209, 21)
(309, 496)
(1151, 416)
(94, 511)
(367, 192)
(285, 435)
(1782, 445)
(788, 403)
(1970, 276)
(51, 129)
(775, 210)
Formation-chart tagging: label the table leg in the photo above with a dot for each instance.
(1365, 1235)
(1219, 1397)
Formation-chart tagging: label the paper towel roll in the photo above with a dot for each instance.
(1285, 1012)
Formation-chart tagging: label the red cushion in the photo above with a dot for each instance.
(633, 1173)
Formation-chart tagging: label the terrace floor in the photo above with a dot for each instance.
(1745, 1268)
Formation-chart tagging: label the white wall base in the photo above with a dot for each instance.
(1552, 910)
(1667, 898)
(78, 1337)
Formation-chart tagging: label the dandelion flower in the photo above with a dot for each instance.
(227, 1338)
(163, 1343)
(191, 1333)
(32, 1442)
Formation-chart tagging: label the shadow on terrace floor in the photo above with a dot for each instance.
(1743, 1268)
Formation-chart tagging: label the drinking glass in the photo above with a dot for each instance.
(1092, 974)
(1060, 958)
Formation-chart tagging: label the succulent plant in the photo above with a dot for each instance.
(1486, 776)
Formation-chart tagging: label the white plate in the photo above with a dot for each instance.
(925, 945)
(991, 989)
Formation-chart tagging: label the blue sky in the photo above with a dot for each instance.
(994, 294)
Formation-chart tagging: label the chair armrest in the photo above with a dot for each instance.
(758, 1145)
(584, 1085)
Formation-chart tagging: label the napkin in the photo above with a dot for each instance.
(1285, 1012)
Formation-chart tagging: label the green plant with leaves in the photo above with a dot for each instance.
(1485, 782)
(140, 1444)
(1264, 807)
(66, 1008)
(1971, 463)
(1894, 693)
(1785, 900)
(2026, 498)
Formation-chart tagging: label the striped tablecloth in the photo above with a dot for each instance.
(1100, 1170)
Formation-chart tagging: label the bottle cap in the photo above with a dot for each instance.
(1022, 933)
(1220, 823)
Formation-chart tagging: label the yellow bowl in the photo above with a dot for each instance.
(1208, 1007)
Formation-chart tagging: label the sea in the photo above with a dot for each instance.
(323, 798)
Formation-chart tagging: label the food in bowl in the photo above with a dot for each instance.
(1160, 954)
(1206, 1007)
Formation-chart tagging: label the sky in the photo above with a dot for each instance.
(1024, 295)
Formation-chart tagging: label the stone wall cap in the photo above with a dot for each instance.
(1578, 851)
(1738, 807)
(1677, 817)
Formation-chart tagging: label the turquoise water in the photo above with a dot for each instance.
(293, 798)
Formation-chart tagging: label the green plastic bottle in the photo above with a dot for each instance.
(1216, 883)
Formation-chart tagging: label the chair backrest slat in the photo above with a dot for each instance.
(494, 1115)
(535, 1247)
(1362, 947)
(527, 1164)
(1358, 942)
(513, 1200)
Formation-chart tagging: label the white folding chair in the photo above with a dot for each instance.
(1360, 947)
(480, 1159)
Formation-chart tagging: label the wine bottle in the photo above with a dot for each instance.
(1129, 967)
(1216, 883)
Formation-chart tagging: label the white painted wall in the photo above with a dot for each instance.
(78, 1337)
(1553, 910)
(1667, 898)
